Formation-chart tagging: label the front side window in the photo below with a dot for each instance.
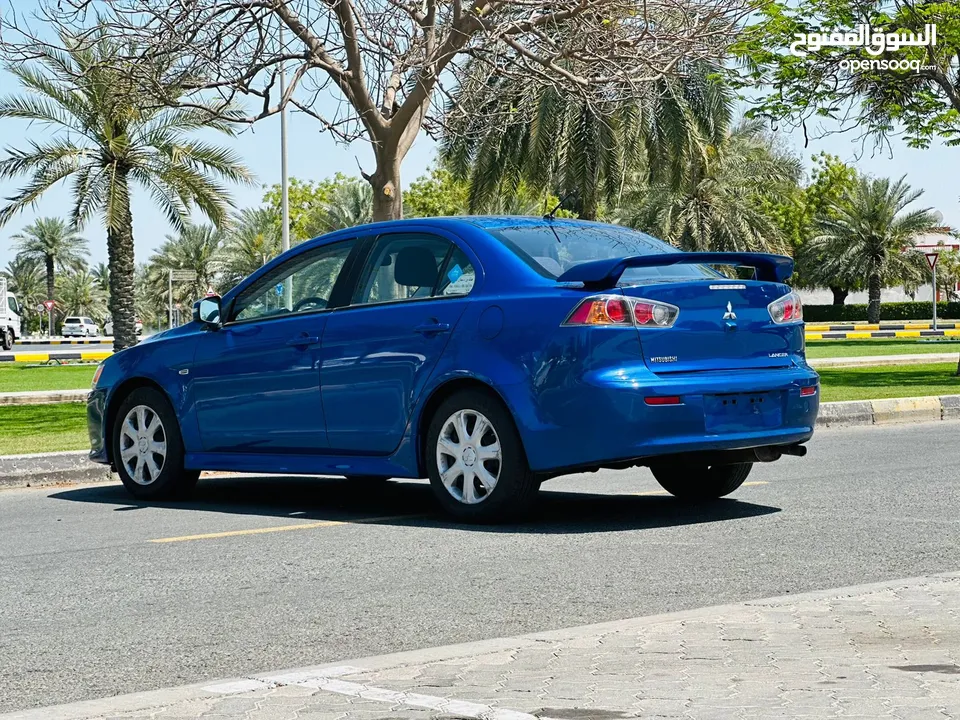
(12, 304)
(303, 284)
(411, 266)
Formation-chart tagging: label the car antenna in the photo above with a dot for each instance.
(550, 216)
(553, 213)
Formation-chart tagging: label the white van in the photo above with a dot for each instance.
(10, 311)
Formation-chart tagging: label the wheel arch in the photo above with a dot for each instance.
(440, 393)
(116, 399)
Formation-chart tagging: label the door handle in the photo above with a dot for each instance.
(303, 341)
(432, 328)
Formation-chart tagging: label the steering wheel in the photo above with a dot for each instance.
(319, 302)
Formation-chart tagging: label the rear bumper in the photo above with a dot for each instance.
(604, 417)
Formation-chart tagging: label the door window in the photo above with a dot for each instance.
(303, 284)
(412, 266)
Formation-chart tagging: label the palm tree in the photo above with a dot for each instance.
(198, 249)
(252, 239)
(714, 200)
(868, 237)
(350, 204)
(108, 137)
(101, 273)
(25, 280)
(55, 244)
(79, 294)
(558, 143)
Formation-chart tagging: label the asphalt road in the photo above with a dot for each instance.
(91, 605)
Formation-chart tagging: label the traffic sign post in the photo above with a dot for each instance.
(932, 258)
(49, 305)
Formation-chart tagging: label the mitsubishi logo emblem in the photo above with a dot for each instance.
(729, 314)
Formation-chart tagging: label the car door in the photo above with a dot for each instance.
(378, 353)
(256, 380)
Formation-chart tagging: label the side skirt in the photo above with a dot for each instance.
(297, 464)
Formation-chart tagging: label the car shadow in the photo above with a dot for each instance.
(412, 504)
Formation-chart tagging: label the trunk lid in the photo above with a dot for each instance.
(722, 325)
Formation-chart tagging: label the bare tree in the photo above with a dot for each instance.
(373, 69)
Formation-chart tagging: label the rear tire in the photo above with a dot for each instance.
(7, 339)
(147, 448)
(475, 460)
(699, 484)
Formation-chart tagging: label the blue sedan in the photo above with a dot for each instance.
(487, 354)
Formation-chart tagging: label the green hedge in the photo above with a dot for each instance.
(888, 311)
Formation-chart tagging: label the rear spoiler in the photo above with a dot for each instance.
(604, 274)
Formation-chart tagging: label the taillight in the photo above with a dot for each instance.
(601, 310)
(786, 309)
(808, 391)
(617, 310)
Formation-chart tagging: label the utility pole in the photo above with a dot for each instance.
(284, 195)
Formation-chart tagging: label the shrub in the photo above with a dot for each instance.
(888, 311)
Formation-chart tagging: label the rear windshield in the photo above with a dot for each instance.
(553, 254)
(72, 321)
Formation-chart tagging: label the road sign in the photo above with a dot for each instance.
(183, 275)
(932, 258)
(49, 304)
(40, 308)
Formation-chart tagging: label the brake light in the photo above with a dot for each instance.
(601, 310)
(787, 309)
(617, 310)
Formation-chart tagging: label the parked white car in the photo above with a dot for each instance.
(77, 326)
(9, 316)
(108, 327)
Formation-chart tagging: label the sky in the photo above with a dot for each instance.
(314, 155)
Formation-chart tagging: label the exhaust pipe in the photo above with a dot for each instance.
(775, 452)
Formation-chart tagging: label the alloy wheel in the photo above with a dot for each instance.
(143, 445)
(469, 457)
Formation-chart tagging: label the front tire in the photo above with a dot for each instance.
(475, 460)
(703, 483)
(148, 449)
(7, 339)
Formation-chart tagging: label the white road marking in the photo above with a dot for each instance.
(327, 681)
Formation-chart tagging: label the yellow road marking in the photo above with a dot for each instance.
(31, 357)
(280, 528)
(96, 355)
(664, 492)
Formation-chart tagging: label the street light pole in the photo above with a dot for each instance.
(284, 195)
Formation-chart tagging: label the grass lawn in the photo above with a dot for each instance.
(16, 377)
(860, 348)
(43, 428)
(888, 381)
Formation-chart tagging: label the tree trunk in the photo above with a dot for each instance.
(51, 285)
(873, 307)
(121, 262)
(839, 294)
(387, 195)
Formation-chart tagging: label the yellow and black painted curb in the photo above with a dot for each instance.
(38, 357)
(875, 334)
(857, 327)
(101, 341)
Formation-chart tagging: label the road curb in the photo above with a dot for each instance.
(42, 357)
(44, 469)
(44, 397)
(889, 411)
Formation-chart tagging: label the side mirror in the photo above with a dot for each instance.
(207, 311)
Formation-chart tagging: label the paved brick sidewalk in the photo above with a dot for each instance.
(876, 651)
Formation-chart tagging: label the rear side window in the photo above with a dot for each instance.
(410, 266)
(552, 250)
